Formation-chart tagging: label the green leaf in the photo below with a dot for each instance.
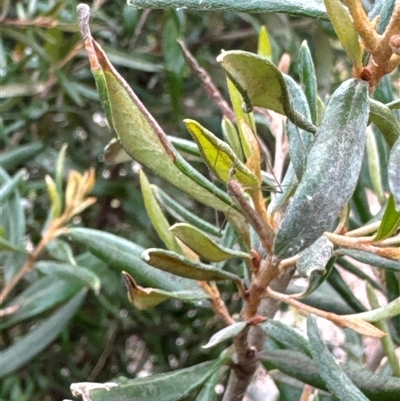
(344, 28)
(374, 165)
(295, 364)
(385, 120)
(20, 155)
(335, 379)
(240, 114)
(231, 136)
(311, 8)
(79, 274)
(140, 135)
(157, 218)
(261, 83)
(123, 255)
(390, 220)
(387, 342)
(42, 295)
(181, 266)
(308, 79)
(203, 245)
(146, 298)
(6, 245)
(219, 156)
(315, 257)
(180, 213)
(371, 259)
(286, 335)
(131, 60)
(394, 173)
(173, 386)
(61, 251)
(384, 312)
(331, 175)
(10, 185)
(226, 333)
(300, 141)
(39, 338)
(264, 46)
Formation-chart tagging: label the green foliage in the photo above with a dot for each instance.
(298, 178)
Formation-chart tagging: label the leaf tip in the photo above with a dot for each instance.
(83, 11)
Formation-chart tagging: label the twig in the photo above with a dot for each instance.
(211, 90)
(218, 304)
(364, 244)
(265, 232)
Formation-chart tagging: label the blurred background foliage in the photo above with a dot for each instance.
(48, 98)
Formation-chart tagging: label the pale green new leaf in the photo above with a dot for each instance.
(345, 30)
(220, 157)
(203, 245)
(158, 220)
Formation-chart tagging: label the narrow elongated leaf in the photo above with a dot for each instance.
(384, 312)
(38, 339)
(79, 274)
(9, 186)
(231, 136)
(180, 213)
(295, 364)
(384, 118)
(158, 220)
(261, 84)
(371, 259)
(42, 295)
(124, 255)
(241, 114)
(394, 173)
(146, 298)
(310, 8)
(333, 167)
(374, 165)
(390, 220)
(300, 141)
(315, 257)
(219, 156)
(172, 386)
(226, 333)
(345, 30)
(335, 379)
(181, 266)
(308, 79)
(140, 135)
(264, 46)
(20, 155)
(203, 245)
(286, 335)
